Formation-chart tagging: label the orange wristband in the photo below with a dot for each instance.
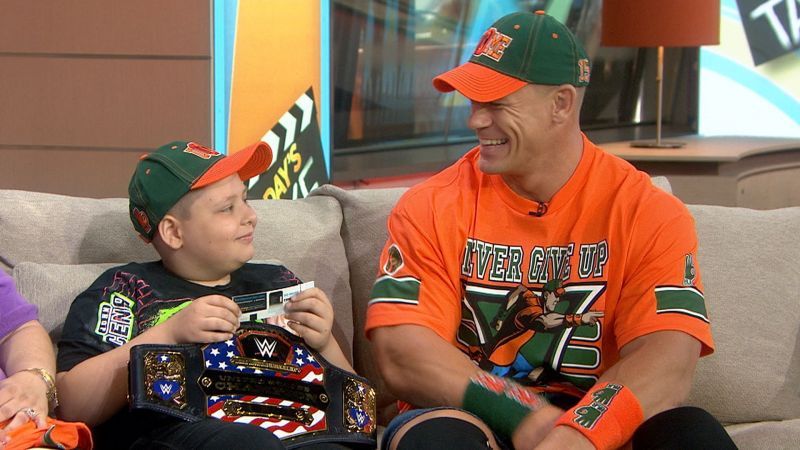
(607, 415)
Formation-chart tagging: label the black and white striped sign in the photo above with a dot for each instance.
(298, 163)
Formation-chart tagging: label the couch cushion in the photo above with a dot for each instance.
(52, 287)
(364, 234)
(749, 264)
(304, 235)
(58, 229)
(766, 435)
(62, 230)
(662, 183)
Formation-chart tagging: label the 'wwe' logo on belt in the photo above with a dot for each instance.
(166, 389)
(265, 346)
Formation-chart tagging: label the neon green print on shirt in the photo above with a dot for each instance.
(166, 313)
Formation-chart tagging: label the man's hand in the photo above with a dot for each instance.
(535, 426)
(211, 318)
(310, 315)
(565, 437)
(20, 392)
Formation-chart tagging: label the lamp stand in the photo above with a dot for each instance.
(659, 83)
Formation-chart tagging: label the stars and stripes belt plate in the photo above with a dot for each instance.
(263, 376)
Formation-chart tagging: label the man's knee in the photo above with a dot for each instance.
(686, 427)
(442, 428)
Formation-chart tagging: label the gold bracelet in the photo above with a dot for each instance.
(52, 393)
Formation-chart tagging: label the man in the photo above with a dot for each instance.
(537, 204)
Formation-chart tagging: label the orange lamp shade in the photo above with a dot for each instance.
(667, 23)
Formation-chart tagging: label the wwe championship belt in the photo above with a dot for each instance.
(264, 376)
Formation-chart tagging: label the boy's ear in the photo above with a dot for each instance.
(169, 229)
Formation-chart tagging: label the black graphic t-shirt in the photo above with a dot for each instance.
(127, 300)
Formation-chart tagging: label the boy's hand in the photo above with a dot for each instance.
(211, 318)
(310, 315)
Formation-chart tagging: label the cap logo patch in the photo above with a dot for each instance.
(200, 151)
(492, 44)
(143, 220)
(584, 70)
(689, 270)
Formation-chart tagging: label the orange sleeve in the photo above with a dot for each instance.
(663, 289)
(418, 277)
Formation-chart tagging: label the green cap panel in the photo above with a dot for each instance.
(162, 178)
(535, 48)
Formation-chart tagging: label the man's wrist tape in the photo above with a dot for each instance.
(501, 404)
(607, 415)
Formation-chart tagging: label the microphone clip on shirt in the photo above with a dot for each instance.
(540, 211)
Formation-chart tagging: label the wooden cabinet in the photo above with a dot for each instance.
(752, 172)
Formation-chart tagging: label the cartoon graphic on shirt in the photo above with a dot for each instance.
(538, 312)
(527, 336)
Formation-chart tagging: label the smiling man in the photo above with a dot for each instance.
(536, 207)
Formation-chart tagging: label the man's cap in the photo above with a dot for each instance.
(518, 49)
(168, 173)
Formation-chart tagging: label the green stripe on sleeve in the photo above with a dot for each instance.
(681, 300)
(403, 290)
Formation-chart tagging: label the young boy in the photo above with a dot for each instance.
(190, 203)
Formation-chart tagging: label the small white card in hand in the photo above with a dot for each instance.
(260, 305)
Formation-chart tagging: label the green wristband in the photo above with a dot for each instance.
(499, 403)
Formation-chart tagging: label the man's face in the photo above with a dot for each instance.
(511, 129)
(218, 229)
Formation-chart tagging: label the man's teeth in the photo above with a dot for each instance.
(493, 141)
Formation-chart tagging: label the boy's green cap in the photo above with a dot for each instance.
(167, 174)
(518, 49)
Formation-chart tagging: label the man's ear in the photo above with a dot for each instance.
(564, 103)
(169, 229)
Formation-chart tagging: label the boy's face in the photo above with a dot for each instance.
(218, 227)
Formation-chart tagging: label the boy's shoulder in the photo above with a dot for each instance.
(129, 279)
(136, 269)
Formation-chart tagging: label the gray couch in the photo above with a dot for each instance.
(55, 246)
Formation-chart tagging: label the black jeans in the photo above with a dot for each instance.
(209, 434)
(214, 434)
(683, 428)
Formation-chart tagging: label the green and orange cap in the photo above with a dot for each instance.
(518, 49)
(165, 175)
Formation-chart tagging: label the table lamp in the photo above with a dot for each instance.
(660, 23)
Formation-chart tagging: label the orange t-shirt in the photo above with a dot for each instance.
(547, 297)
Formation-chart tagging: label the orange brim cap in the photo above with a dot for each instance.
(478, 83)
(248, 162)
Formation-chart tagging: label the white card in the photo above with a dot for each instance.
(260, 305)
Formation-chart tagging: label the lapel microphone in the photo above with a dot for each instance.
(540, 211)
